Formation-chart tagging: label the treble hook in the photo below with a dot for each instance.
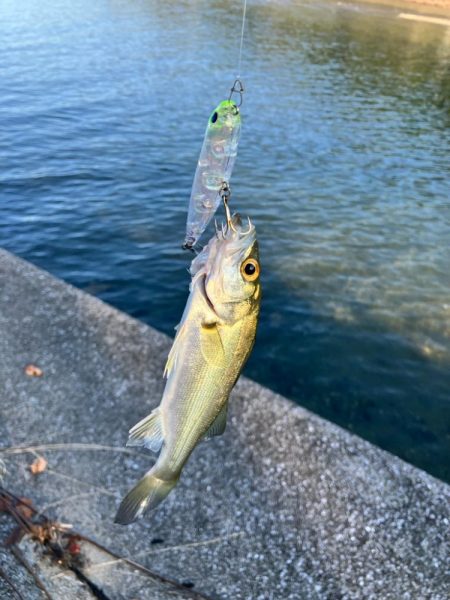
(238, 88)
(225, 194)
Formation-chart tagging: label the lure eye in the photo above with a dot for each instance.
(250, 269)
(214, 117)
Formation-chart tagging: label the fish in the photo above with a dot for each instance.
(213, 341)
(214, 168)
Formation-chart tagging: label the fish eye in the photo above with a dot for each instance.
(250, 269)
(214, 117)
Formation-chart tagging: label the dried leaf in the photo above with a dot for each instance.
(73, 545)
(33, 371)
(25, 511)
(27, 501)
(15, 536)
(40, 533)
(38, 465)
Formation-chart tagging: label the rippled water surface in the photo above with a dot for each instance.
(343, 166)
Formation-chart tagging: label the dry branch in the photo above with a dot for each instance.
(64, 544)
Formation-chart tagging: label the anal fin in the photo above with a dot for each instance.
(148, 432)
(218, 425)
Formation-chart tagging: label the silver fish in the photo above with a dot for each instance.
(213, 342)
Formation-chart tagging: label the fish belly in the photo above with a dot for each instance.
(195, 394)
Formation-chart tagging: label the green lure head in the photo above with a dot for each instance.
(226, 115)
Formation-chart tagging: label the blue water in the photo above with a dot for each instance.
(343, 166)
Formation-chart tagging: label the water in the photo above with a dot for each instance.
(343, 166)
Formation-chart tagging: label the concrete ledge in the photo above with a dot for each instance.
(283, 505)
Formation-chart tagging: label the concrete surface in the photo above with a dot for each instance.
(283, 506)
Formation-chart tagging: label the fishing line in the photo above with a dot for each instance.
(237, 88)
(238, 85)
(244, 12)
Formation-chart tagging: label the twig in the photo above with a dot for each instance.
(81, 482)
(215, 540)
(46, 535)
(152, 574)
(63, 501)
(199, 543)
(21, 558)
(35, 451)
(11, 583)
(46, 530)
(98, 593)
(12, 497)
(68, 446)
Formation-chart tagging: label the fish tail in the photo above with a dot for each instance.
(146, 494)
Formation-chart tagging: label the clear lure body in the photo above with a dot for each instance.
(214, 168)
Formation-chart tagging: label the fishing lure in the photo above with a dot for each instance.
(214, 168)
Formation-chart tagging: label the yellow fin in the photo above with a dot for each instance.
(218, 425)
(148, 432)
(211, 345)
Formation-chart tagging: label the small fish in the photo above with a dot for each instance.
(214, 168)
(213, 342)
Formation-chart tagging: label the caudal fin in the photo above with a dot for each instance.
(147, 494)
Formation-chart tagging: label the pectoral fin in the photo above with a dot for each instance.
(218, 425)
(211, 345)
(148, 432)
